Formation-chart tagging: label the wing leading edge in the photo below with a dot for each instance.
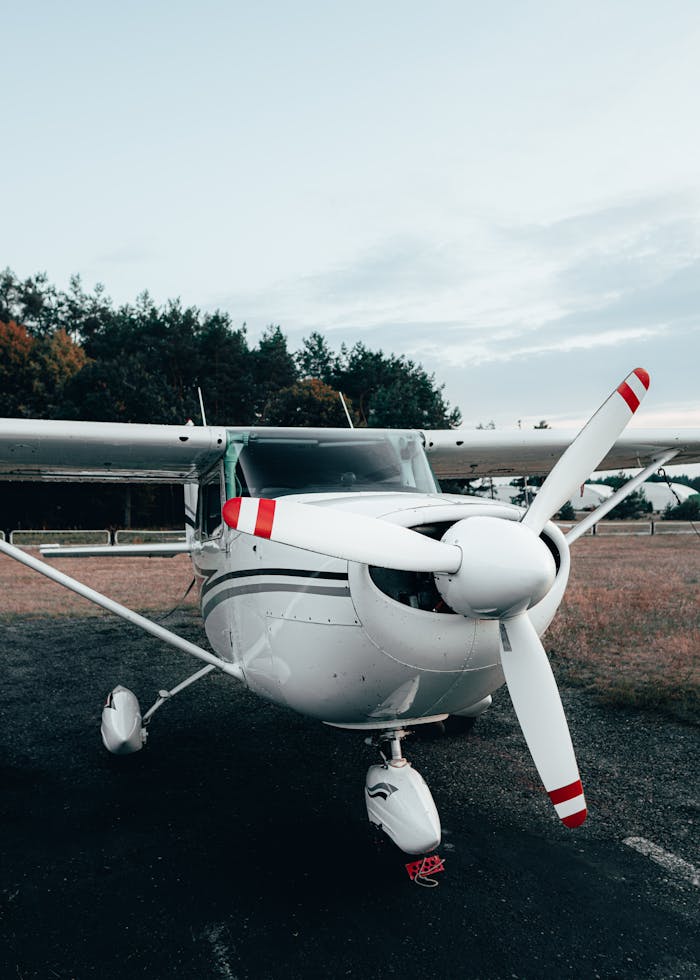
(465, 453)
(39, 449)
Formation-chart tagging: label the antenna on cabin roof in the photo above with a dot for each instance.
(201, 406)
(347, 414)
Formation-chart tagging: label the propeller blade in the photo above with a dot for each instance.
(340, 534)
(537, 704)
(588, 449)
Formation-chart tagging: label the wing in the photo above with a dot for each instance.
(33, 449)
(465, 453)
(38, 449)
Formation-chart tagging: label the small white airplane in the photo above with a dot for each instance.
(336, 579)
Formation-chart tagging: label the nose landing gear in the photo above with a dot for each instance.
(398, 799)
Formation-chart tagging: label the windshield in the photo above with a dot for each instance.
(262, 464)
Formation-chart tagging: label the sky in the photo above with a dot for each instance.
(508, 193)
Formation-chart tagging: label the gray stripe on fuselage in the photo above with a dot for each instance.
(270, 572)
(254, 588)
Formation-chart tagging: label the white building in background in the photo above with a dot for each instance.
(593, 494)
(590, 496)
(659, 495)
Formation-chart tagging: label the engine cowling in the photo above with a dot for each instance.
(407, 617)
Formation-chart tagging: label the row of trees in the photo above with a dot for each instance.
(75, 355)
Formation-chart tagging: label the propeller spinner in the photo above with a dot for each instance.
(485, 568)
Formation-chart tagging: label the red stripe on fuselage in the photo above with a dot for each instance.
(266, 514)
(576, 819)
(566, 792)
(231, 511)
(629, 396)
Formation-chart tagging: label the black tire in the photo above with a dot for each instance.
(458, 725)
(452, 725)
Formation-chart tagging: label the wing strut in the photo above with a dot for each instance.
(115, 607)
(607, 505)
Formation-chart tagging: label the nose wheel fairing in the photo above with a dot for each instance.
(398, 800)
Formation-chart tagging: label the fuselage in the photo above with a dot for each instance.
(346, 643)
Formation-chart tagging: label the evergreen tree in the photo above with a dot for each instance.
(226, 372)
(273, 368)
(34, 302)
(687, 510)
(73, 354)
(316, 359)
(391, 391)
(631, 508)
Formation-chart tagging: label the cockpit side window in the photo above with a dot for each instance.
(209, 504)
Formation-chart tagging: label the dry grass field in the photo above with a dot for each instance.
(628, 630)
(629, 627)
(146, 584)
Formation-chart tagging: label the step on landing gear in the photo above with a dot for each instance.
(398, 799)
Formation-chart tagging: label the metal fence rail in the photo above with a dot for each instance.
(622, 528)
(147, 537)
(36, 536)
(676, 527)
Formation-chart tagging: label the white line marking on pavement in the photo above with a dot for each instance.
(676, 865)
(220, 950)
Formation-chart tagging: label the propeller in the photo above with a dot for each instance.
(485, 568)
(539, 710)
(587, 450)
(352, 537)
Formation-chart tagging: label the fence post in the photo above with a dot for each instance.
(653, 531)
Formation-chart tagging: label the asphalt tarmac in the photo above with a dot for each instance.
(236, 844)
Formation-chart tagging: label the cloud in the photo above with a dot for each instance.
(625, 271)
(521, 320)
(509, 350)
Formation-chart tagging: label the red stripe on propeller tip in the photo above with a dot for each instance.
(565, 793)
(643, 377)
(576, 819)
(629, 396)
(266, 515)
(231, 511)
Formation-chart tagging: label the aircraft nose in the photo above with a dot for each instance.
(505, 569)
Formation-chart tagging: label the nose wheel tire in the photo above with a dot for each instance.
(452, 726)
